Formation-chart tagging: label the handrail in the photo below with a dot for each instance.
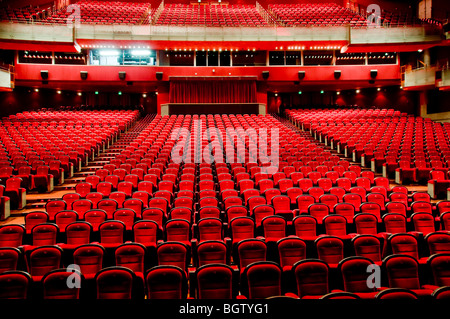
(271, 19)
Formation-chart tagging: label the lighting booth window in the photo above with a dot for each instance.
(123, 57)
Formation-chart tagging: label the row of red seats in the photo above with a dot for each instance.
(324, 14)
(414, 149)
(37, 151)
(108, 12)
(91, 258)
(214, 15)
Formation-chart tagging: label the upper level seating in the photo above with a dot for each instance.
(316, 14)
(22, 14)
(107, 12)
(399, 18)
(211, 15)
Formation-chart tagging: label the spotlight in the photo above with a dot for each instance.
(144, 95)
(59, 92)
(357, 91)
(36, 90)
(379, 89)
(338, 93)
(79, 93)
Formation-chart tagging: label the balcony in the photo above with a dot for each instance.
(419, 79)
(61, 33)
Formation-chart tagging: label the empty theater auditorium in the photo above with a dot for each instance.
(293, 152)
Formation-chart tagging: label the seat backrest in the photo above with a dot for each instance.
(367, 246)
(146, 232)
(305, 226)
(125, 215)
(214, 281)
(423, 222)
(394, 223)
(371, 208)
(311, 277)
(345, 209)
(35, 218)
(111, 232)
(261, 211)
(178, 230)
(114, 283)
(44, 234)
(173, 253)
(11, 235)
(274, 227)
(318, 211)
(89, 257)
(439, 263)
(291, 250)
(263, 279)
(55, 285)
(15, 284)
(212, 252)
(250, 251)
(396, 293)
(81, 206)
(95, 217)
(330, 249)
(438, 243)
(166, 282)
(242, 228)
(54, 206)
(109, 206)
(210, 229)
(335, 225)
(43, 259)
(402, 271)
(9, 258)
(354, 274)
(131, 255)
(396, 208)
(405, 244)
(366, 224)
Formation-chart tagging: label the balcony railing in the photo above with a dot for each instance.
(425, 76)
(64, 33)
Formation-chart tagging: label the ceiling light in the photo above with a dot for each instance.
(109, 52)
(140, 52)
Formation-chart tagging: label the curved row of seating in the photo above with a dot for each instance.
(407, 148)
(288, 274)
(317, 14)
(106, 12)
